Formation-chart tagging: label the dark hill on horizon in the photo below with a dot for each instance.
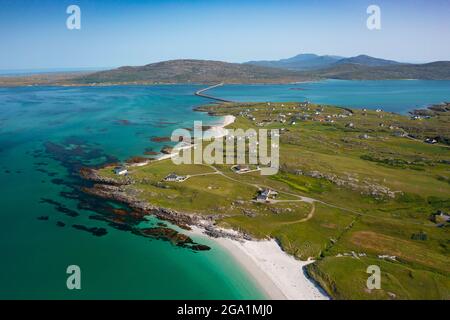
(439, 70)
(194, 71)
(212, 72)
(369, 61)
(208, 72)
(310, 61)
(300, 62)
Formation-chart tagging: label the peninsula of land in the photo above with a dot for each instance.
(355, 188)
(303, 67)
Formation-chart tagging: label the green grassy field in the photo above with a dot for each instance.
(373, 190)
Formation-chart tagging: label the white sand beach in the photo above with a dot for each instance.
(216, 131)
(278, 274)
(219, 131)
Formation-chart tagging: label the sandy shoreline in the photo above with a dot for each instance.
(279, 275)
(219, 131)
(216, 131)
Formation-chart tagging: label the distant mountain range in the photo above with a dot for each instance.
(439, 70)
(307, 61)
(303, 67)
(282, 71)
(311, 61)
(194, 71)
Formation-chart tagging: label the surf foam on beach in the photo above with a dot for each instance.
(278, 274)
(219, 131)
(214, 132)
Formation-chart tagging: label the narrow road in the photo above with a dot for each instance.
(312, 201)
(301, 198)
(201, 94)
(200, 175)
(309, 216)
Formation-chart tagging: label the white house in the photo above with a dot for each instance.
(172, 177)
(120, 171)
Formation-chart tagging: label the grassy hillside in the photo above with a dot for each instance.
(202, 71)
(428, 71)
(212, 72)
(374, 191)
(195, 71)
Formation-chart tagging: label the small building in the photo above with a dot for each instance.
(240, 168)
(120, 171)
(400, 134)
(350, 125)
(173, 177)
(440, 217)
(443, 216)
(265, 195)
(430, 141)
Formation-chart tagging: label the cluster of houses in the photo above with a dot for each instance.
(387, 257)
(420, 117)
(353, 254)
(358, 255)
(172, 177)
(292, 119)
(247, 114)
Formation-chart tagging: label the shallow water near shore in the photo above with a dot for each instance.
(48, 133)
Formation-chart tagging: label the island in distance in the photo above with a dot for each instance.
(307, 67)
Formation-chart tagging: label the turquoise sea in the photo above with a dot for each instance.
(48, 133)
(393, 95)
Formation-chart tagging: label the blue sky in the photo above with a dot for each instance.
(33, 33)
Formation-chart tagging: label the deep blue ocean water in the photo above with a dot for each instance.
(48, 133)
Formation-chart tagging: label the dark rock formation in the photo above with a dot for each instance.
(94, 230)
(160, 139)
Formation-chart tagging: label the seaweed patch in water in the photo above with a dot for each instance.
(94, 230)
(75, 153)
(60, 207)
